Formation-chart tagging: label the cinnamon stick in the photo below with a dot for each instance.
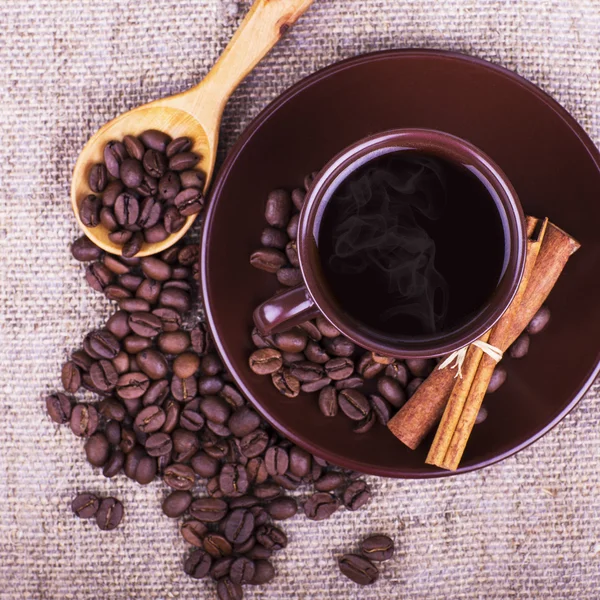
(420, 414)
(466, 397)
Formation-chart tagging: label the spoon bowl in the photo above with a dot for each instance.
(195, 113)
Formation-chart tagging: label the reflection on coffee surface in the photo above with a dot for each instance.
(411, 245)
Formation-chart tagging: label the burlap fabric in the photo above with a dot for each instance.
(527, 528)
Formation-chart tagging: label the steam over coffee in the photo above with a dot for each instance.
(411, 245)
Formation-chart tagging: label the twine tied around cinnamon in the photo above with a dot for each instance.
(458, 356)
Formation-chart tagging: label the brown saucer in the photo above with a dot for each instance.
(551, 162)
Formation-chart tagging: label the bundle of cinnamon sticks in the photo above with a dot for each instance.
(457, 400)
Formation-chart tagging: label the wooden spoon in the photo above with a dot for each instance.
(195, 113)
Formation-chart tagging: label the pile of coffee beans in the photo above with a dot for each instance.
(359, 567)
(315, 358)
(168, 408)
(107, 511)
(144, 190)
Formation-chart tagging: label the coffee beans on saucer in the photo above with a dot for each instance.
(143, 191)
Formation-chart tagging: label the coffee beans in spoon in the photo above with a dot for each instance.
(143, 191)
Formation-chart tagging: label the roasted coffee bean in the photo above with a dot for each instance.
(244, 502)
(127, 440)
(70, 377)
(257, 471)
(158, 444)
(146, 470)
(412, 387)
(114, 464)
(155, 234)
(353, 404)
(261, 517)
(367, 367)
(217, 448)
(156, 140)
(520, 347)
(121, 237)
(220, 567)
(134, 344)
(330, 481)
(101, 344)
(328, 401)
(268, 259)
(306, 371)
(273, 238)
(111, 193)
(215, 409)
(118, 325)
(320, 506)
(112, 409)
(232, 396)
(149, 215)
(261, 341)
(98, 276)
(286, 384)
(381, 408)
(192, 178)
(185, 444)
(193, 532)
(365, 424)
(276, 461)
(114, 154)
(173, 220)
(174, 342)
(189, 201)
(227, 589)
(135, 148)
(289, 276)
(116, 292)
(209, 386)
(85, 505)
(233, 480)
(59, 407)
(539, 322)
(130, 282)
(357, 494)
(351, 382)
(497, 379)
(153, 364)
(481, 415)
(131, 172)
(175, 298)
(358, 569)
(112, 431)
(182, 161)
(239, 525)
(300, 461)
(127, 210)
(204, 465)
(271, 537)
(133, 245)
(282, 508)
(108, 219)
(83, 249)
(326, 328)
(183, 389)
(169, 185)
(191, 420)
(339, 368)
(242, 570)
(420, 367)
(197, 565)
(211, 365)
(339, 346)
(149, 290)
(278, 208)
(89, 211)
(259, 552)
(265, 361)
(298, 196)
(155, 163)
(150, 419)
(82, 360)
(399, 372)
(292, 227)
(315, 386)
(132, 385)
(263, 572)
(84, 420)
(180, 144)
(176, 503)
(392, 391)
(171, 319)
(104, 376)
(109, 514)
(216, 545)
(134, 305)
(156, 269)
(98, 178)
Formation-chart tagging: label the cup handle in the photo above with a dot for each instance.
(285, 310)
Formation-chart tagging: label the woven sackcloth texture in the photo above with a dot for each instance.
(526, 528)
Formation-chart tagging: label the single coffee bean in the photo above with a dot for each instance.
(89, 211)
(116, 292)
(259, 552)
(70, 377)
(132, 305)
(183, 161)
(83, 249)
(328, 402)
(174, 342)
(180, 144)
(150, 419)
(169, 185)
(320, 506)
(132, 385)
(233, 480)
(220, 567)
(365, 424)
(276, 461)
(300, 461)
(156, 140)
(85, 505)
(271, 537)
(278, 208)
(298, 196)
(132, 246)
(215, 409)
(131, 172)
(97, 276)
(520, 346)
(185, 444)
(273, 238)
(292, 227)
(352, 382)
(242, 570)
(104, 376)
(179, 477)
(193, 532)
(339, 346)
(289, 358)
(112, 409)
(156, 269)
(59, 407)
(217, 545)
(150, 214)
(540, 321)
(109, 514)
(84, 420)
(127, 440)
(197, 565)
(286, 384)
(330, 481)
(211, 365)
(239, 525)
(192, 178)
(155, 234)
(381, 408)
(114, 464)
(129, 281)
(188, 256)
(191, 420)
(98, 178)
(204, 465)
(176, 503)
(114, 154)
(392, 391)
(153, 364)
(135, 148)
(127, 210)
(118, 326)
(263, 572)
(358, 569)
(171, 319)
(134, 344)
(282, 508)
(357, 494)
(353, 404)
(420, 367)
(111, 192)
(155, 163)
(339, 368)
(232, 396)
(399, 372)
(326, 328)
(481, 415)
(183, 389)
(146, 470)
(244, 502)
(254, 443)
(209, 386)
(108, 219)
(265, 361)
(367, 367)
(159, 444)
(175, 298)
(497, 379)
(267, 490)
(306, 371)
(412, 387)
(173, 220)
(289, 276)
(227, 589)
(315, 386)
(189, 201)
(268, 259)
(112, 431)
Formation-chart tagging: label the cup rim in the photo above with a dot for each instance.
(451, 148)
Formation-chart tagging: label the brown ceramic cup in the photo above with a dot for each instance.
(313, 297)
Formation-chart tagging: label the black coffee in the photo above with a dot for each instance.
(411, 245)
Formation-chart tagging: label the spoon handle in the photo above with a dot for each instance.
(263, 26)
